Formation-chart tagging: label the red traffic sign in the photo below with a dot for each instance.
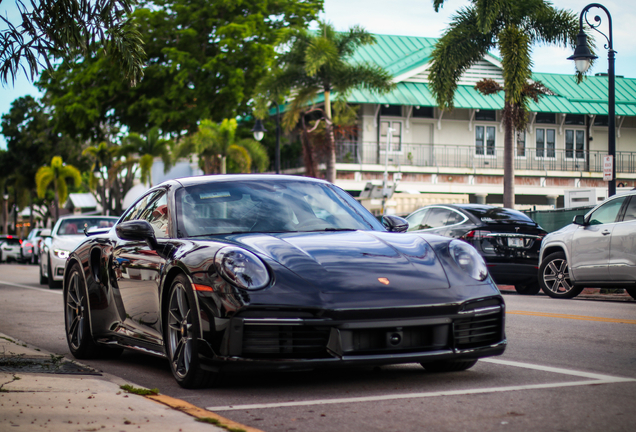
(608, 168)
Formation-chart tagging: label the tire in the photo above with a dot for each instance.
(53, 284)
(631, 292)
(181, 330)
(554, 277)
(528, 289)
(43, 279)
(449, 365)
(77, 320)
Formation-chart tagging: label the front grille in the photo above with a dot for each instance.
(410, 339)
(272, 341)
(478, 331)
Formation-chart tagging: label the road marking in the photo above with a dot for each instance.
(574, 317)
(596, 379)
(30, 287)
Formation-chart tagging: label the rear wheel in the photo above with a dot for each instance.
(554, 277)
(449, 365)
(631, 292)
(181, 332)
(76, 319)
(528, 289)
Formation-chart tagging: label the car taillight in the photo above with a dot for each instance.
(20, 242)
(475, 235)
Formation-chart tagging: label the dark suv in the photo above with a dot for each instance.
(508, 240)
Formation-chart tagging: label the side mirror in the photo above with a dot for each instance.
(395, 223)
(139, 230)
(579, 220)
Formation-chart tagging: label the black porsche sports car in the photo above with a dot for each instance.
(227, 272)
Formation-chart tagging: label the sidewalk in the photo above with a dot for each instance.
(41, 391)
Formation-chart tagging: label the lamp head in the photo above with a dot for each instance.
(582, 55)
(258, 130)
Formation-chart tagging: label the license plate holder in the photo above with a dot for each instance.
(515, 242)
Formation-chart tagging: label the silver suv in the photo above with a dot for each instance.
(596, 250)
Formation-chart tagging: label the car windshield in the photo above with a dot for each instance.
(498, 215)
(76, 226)
(268, 206)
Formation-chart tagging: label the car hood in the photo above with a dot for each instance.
(67, 242)
(354, 260)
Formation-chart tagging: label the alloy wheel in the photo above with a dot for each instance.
(75, 313)
(556, 276)
(180, 331)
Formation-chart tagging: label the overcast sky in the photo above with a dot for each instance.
(417, 18)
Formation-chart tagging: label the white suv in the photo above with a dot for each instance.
(596, 250)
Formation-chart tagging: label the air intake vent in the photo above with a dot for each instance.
(482, 329)
(280, 341)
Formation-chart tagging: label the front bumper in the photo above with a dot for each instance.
(297, 343)
(56, 272)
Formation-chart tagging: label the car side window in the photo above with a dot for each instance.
(157, 215)
(416, 220)
(438, 217)
(630, 211)
(135, 212)
(454, 218)
(607, 213)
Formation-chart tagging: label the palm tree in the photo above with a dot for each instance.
(149, 148)
(220, 150)
(58, 174)
(514, 27)
(320, 62)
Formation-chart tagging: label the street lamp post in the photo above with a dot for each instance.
(259, 130)
(582, 57)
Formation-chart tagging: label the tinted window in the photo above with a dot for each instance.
(498, 214)
(76, 226)
(438, 217)
(280, 206)
(488, 115)
(606, 213)
(630, 212)
(416, 220)
(454, 218)
(157, 215)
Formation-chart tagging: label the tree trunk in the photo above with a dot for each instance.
(56, 203)
(509, 166)
(331, 141)
(308, 153)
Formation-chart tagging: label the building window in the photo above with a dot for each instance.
(601, 120)
(543, 118)
(575, 119)
(391, 110)
(396, 135)
(485, 140)
(486, 115)
(423, 112)
(520, 141)
(574, 144)
(546, 143)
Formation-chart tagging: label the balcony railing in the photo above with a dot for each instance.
(461, 156)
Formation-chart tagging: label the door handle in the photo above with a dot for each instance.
(605, 232)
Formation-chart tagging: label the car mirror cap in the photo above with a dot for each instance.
(139, 230)
(579, 220)
(395, 223)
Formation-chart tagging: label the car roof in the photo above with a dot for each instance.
(203, 179)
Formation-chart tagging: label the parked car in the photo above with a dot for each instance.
(10, 248)
(596, 250)
(30, 246)
(233, 272)
(65, 235)
(508, 240)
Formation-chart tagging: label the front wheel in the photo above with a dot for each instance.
(43, 279)
(554, 277)
(449, 365)
(53, 284)
(181, 333)
(528, 289)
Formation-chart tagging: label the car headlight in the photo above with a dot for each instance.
(62, 254)
(468, 259)
(241, 268)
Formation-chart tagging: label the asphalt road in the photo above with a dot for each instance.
(570, 366)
